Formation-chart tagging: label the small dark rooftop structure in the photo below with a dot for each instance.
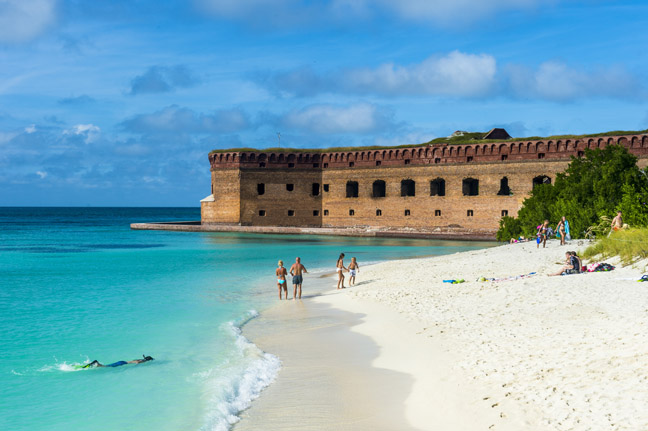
(497, 134)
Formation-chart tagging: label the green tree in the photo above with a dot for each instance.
(596, 185)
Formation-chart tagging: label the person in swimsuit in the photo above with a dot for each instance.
(353, 269)
(617, 222)
(561, 230)
(296, 271)
(281, 279)
(97, 364)
(542, 234)
(572, 265)
(339, 267)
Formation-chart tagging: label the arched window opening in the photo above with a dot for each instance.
(470, 187)
(408, 188)
(541, 179)
(352, 189)
(379, 189)
(504, 190)
(437, 187)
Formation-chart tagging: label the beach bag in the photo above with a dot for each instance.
(604, 267)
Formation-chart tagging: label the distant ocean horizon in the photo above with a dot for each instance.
(76, 284)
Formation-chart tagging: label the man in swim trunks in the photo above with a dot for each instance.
(281, 279)
(617, 222)
(97, 364)
(296, 271)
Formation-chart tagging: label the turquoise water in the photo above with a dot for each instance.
(76, 284)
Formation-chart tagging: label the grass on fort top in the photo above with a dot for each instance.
(467, 138)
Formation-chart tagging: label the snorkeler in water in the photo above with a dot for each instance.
(97, 364)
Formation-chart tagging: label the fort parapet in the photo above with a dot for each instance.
(438, 187)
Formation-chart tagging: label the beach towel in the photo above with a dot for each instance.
(643, 278)
(454, 281)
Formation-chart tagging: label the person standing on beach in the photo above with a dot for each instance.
(542, 234)
(339, 267)
(296, 271)
(281, 272)
(561, 230)
(353, 269)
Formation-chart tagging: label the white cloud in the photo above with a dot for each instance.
(90, 132)
(24, 20)
(557, 81)
(325, 119)
(456, 74)
(30, 129)
(41, 174)
(184, 120)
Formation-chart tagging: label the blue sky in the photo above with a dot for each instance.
(118, 102)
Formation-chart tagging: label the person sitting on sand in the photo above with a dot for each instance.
(339, 267)
(281, 279)
(580, 262)
(572, 265)
(296, 271)
(97, 364)
(353, 269)
(520, 239)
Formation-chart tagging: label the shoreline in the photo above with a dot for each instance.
(457, 234)
(545, 353)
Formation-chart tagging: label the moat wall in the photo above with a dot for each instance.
(480, 184)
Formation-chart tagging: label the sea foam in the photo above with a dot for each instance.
(241, 382)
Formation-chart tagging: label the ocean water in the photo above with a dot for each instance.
(76, 284)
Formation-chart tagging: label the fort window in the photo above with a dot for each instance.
(437, 160)
(470, 187)
(504, 213)
(378, 163)
(581, 154)
(504, 157)
(316, 189)
(351, 164)
(351, 212)
(316, 165)
(379, 189)
(261, 188)
(325, 212)
(407, 161)
(315, 213)
(541, 179)
(262, 213)
(262, 165)
(291, 165)
(290, 187)
(469, 213)
(408, 188)
(437, 187)
(469, 159)
(437, 213)
(407, 213)
(352, 189)
(291, 213)
(378, 213)
(326, 165)
(541, 155)
(504, 190)
(325, 187)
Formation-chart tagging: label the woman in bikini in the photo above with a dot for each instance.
(281, 279)
(339, 267)
(561, 230)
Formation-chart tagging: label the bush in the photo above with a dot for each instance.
(629, 244)
(509, 227)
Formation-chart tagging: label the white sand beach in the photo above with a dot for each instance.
(537, 353)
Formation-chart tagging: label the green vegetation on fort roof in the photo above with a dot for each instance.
(466, 138)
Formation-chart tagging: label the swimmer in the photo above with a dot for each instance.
(97, 364)
(353, 269)
(281, 273)
(339, 267)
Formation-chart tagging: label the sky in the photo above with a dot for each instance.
(118, 103)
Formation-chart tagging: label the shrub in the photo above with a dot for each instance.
(509, 227)
(630, 245)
